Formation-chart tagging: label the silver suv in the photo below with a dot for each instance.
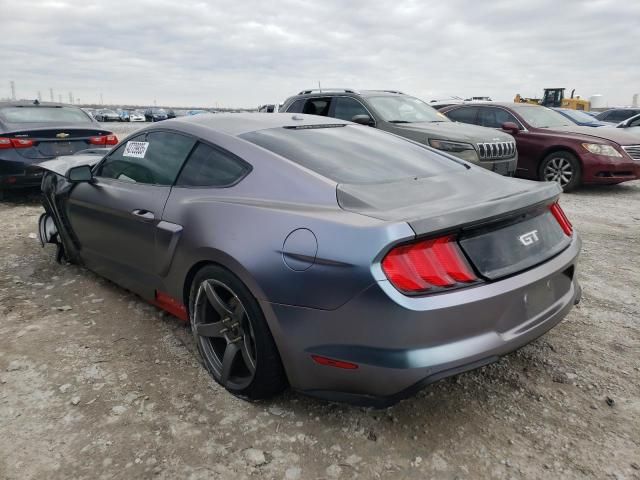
(410, 117)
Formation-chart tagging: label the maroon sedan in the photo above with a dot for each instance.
(552, 148)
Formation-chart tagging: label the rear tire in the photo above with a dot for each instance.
(563, 168)
(232, 335)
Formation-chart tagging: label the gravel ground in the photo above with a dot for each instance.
(95, 383)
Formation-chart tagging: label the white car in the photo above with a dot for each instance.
(136, 117)
(631, 125)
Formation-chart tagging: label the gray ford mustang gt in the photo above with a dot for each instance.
(349, 263)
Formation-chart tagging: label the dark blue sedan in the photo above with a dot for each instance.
(581, 118)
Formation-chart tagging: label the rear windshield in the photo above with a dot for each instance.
(43, 115)
(352, 154)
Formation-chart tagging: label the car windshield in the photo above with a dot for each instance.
(579, 116)
(42, 114)
(542, 117)
(159, 110)
(352, 154)
(403, 109)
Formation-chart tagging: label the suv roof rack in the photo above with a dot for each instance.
(388, 91)
(323, 90)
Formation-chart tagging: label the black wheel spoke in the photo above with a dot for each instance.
(224, 333)
(210, 329)
(215, 301)
(246, 356)
(228, 359)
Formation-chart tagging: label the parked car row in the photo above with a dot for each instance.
(151, 114)
(530, 141)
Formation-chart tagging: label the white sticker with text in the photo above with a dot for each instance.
(135, 149)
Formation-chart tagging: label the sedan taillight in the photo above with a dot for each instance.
(15, 143)
(562, 219)
(104, 140)
(428, 266)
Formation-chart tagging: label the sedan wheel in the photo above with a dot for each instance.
(563, 168)
(232, 335)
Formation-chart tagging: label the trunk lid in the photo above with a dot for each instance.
(504, 225)
(52, 142)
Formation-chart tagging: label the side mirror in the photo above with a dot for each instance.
(81, 173)
(510, 127)
(363, 120)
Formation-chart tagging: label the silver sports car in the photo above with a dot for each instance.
(348, 263)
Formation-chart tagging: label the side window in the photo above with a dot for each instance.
(464, 114)
(296, 107)
(317, 106)
(346, 108)
(156, 160)
(619, 115)
(211, 167)
(494, 117)
(635, 123)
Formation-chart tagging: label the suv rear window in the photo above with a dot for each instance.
(42, 114)
(352, 154)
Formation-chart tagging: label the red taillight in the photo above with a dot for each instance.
(15, 143)
(428, 264)
(330, 362)
(562, 219)
(104, 140)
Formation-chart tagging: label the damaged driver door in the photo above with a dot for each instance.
(115, 217)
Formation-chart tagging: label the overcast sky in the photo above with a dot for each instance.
(245, 52)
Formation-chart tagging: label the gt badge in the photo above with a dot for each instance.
(529, 238)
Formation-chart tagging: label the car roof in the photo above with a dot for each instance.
(31, 103)
(239, 123)
(332, 92)
(495, 104)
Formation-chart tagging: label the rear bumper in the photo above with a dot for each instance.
(401, 344)
(32, 177)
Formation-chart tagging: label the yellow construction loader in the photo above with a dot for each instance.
(554, 97)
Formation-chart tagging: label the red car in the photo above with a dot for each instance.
(552, 148)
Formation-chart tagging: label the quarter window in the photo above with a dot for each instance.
(296, 107)
(157, 162)
(211, 167)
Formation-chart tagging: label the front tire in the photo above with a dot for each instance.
(232, 335)
(563, 168)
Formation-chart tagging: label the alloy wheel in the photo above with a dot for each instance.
(558, 169)
(225, 334)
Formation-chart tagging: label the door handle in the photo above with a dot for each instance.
(144, 214)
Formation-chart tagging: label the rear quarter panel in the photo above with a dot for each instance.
(247, 237)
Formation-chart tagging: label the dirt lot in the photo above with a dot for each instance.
(94, 383)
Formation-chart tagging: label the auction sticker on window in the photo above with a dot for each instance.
(135, 149)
